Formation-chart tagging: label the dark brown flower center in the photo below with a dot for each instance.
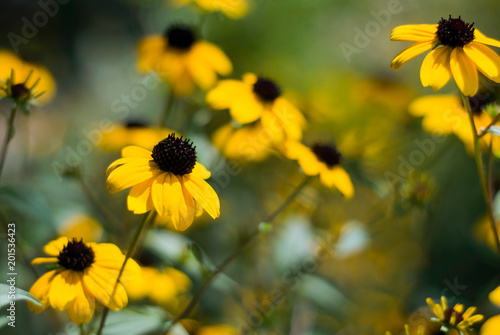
(455, 32)
(76, 256)
(449, 312)
(175, 155)
(132, 124)
(479, 102)
(180, 37)
(266, 89)
(20, 92)
(327, 154)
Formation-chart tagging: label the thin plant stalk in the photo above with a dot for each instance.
(8, 136)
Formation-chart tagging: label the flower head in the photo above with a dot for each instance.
(458, 49)
(454, 318)
(233, 9)
(183, 60)
(322, 159)
(86, 272)
(167, 179)
(491, 326)
(256, 98)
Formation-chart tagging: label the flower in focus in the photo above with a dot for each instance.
(132, 133)
(454, 318)
(445, 114)
(322, 159)
(491, 326)
(256, 98)
(81, 226)
(167, 287)
(192, 327)
(167, 179)
(24, 82)
(86, 272)
(457, 48)
(233, 9)
(182, 60)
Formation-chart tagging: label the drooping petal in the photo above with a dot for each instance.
(410, 52)
(290, 119)
(486, 60)
(137, 152)
(187, 209)
(215, 58)
(53, 248)
(435, 70)
(126, 176)
(102, 286)
(464, 72)
(204, 194)
(157, 194)
(127, 160)
(201, 171)
(246, 108)
(414, 32)
(225, 93)
(200, 70)
(481, 38)
(306, 158)
(40, 290)
(443, 114)
(139, 199)
(83, 306)
(64, 289)
(339, 178)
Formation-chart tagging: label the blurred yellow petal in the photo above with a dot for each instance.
(339, 178)
(40, 290)
(53, 248)
(64, 289)
(214, 57)
(491, 326)
(223, 95)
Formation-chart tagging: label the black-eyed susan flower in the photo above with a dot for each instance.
(458, 49)
(323, 160)
(256, 98)
(446, 114)
(454, 318)
(24, 82)
(167, 288)
(233, 9)
(491, 326)
(182, 60)
(167, 179)
(86, 272)
(132, 132)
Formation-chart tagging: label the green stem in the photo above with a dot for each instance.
(199, 293)
(165, 118)
(480, 170)
(130, 251)
(8, 137)
(82, 330)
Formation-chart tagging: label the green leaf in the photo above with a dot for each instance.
(495, 130)
(135, 321)
(6, 296)
(26, 200)
(196, 251)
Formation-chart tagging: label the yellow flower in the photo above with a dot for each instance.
(256, 98)
(182, 60)
(458, 49)
(86, 272)
(132, 133)
(445, 114)
(82, 226)
(166, 287)
(491, 326)
(454, 318)
(233, 9)
(192, 327)
(166, 179)
(23, 81)
(322, 159)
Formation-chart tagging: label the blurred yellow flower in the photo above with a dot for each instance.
(454, 318)
(445, 114)
(166, 179)
(322, 159)
(167, 287)
(86, 272)
(81, 226)
(132, 133)
(458, 49)
(233, 9)
(192, 327)
(23, 81)
(491, 326)
(256, 98)
(182, 60)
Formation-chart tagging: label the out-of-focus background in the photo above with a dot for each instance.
(405, 236)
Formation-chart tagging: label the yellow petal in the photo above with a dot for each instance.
(246, 108)
(306, 158)
(204, 194)
(217, 330)
(214, 57)
(100, 285)
(250, 78)
(134, 151)
(491, 326)
(414, 32)
(290, 119)
(435, 70)
(468, 312)
(157, 194)
(200, 70)
(410, 52)
(226, 93)
(339, 178)
(53, 248)
(186, 209)
(139, 199)
(494, 296)
(200, 171)
(126, 176)
(42, 260)
(486, 60)
(64, 289)
(127, 160)
(464, 72)
(40, 290)
(481, 38)
(82, 308)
